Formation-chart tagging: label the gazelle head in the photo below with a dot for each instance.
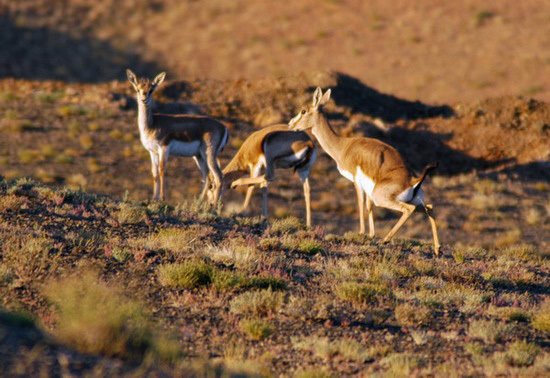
(308, 115)
(144, 89)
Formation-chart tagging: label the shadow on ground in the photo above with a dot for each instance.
(45, 54)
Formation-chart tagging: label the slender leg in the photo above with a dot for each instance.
(214, 168)
(249, 192)
(429, 212)
(405, 208)
(264, 200)
(307, 196)
(201, 163)
(361, 202)
(163, 160)
(254, 172)
(249, 181)
(155, 172)
(371, 217)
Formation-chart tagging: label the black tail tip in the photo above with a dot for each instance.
(432, 166)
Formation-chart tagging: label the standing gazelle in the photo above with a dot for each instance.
(375, 168)
(181, 135)
(272, 147)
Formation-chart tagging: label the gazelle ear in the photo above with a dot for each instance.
(158, 79)
(325, 98)
(131, 77)
(317, 96)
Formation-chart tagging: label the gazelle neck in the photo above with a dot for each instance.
(327, 137)
(145, 115)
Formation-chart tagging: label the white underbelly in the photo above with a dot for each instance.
(184, 148)
(366, 183)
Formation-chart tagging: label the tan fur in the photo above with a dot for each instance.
(382, 169)
(275, 145)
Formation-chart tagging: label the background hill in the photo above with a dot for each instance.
(434, 51)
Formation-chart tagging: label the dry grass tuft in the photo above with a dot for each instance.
(256, 329)
(408, 315)
(402, 364)
(521, 353)
(348, 349)
(360, 292)
(541, 318)
(287, 225)
(489, 331)
(128, 213)
(96, 318)
(257, 303)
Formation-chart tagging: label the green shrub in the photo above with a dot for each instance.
(186, 275)
(360, 292)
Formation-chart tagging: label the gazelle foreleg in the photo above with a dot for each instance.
(264, 199)
(429, 211)
(163, 160)
(155, 172)
(371, 216)
(254, 172)
(304, 177)
(361, 203)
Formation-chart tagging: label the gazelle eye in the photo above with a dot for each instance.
(303, 111)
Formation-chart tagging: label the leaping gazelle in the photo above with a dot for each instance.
(272, 147)
(377, 169)
(181, 135)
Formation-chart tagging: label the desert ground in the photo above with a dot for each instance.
(97, 279)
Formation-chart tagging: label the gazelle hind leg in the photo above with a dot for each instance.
(405, 208)
(201, 163)
(429, 211)
(214, 168)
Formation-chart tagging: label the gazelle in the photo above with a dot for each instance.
(377, 170)
(272, 147)
(181, 135)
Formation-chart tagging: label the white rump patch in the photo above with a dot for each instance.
(184, 148)
(407, 196)
(290, 160)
